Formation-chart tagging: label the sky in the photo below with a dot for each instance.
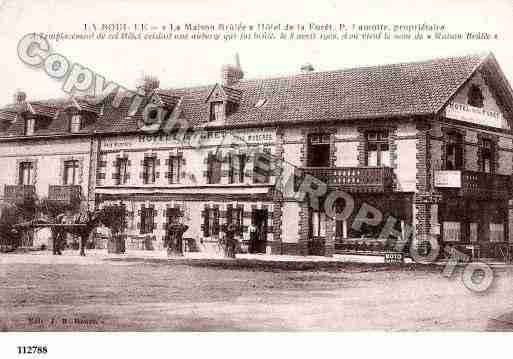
(194, 62)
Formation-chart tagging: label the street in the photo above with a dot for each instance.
(100, 293)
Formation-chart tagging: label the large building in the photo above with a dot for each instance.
(424, 147)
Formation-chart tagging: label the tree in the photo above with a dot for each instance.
(10, 238)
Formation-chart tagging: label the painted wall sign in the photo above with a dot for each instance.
(448, 179)
(196, 139)
(480, 116)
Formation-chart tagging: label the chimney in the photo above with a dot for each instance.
(307, 67)
(19, 97)
(231, 74)
(146, 84)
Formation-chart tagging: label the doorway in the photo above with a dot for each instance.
(258, 238)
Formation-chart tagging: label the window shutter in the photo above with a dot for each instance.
(206, 230)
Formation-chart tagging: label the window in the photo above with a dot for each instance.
(122, 170)
(217, 111)
(213, 169)
(174, 169)
(234, 216)
(237, 168)
(147, 220)
(149, 171)
(486, 155)
(211, 222)
(317, 224)
(454, 152)
(26, 173)
(318, 150)
(76, 123)
(29, 126)
(70, 172)
(475, 96)
(262, 168)
(378, 153)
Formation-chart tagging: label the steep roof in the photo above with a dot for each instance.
(404, 89)
(379, 91)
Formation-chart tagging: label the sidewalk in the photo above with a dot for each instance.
(99, 255)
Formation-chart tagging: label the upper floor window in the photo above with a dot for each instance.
(70, 172)
(26, 173)
(237, 168)
(217, 111)
(76, 123)
(214, 166)
(454, 152)
(475, 96)
(122, 170)
(262, 168)
(30, 124)
(211, 222)
(487, 154)
(378, 150)
(318, 150)
(149, 170)
(147, 220)
(174, 169)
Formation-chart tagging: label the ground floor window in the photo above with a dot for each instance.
(147, 220)
(211, 222)
(234, 216)
(317, 224)
(471, 220)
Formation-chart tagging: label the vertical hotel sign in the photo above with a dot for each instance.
(477, 115)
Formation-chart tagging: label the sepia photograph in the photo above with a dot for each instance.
(229, 167)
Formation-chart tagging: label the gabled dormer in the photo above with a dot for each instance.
(224, 98)
(222, 101)
(36, 115)
(80, 113)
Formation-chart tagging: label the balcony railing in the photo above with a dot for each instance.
(351, 179)
(19, 192)
(474, 184)
(70, 194)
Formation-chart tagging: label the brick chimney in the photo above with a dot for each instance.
(307, 67)
(19, 97)
(146, 84)
(232, 73)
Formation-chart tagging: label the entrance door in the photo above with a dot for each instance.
(258, 240)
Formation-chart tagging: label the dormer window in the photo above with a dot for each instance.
(76, 123)
(475, 96)
(29, 126)
(217, 111)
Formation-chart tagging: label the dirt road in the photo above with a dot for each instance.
(73, 293)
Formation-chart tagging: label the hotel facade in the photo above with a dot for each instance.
(424, 145)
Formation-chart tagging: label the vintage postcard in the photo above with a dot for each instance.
(229, 166)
